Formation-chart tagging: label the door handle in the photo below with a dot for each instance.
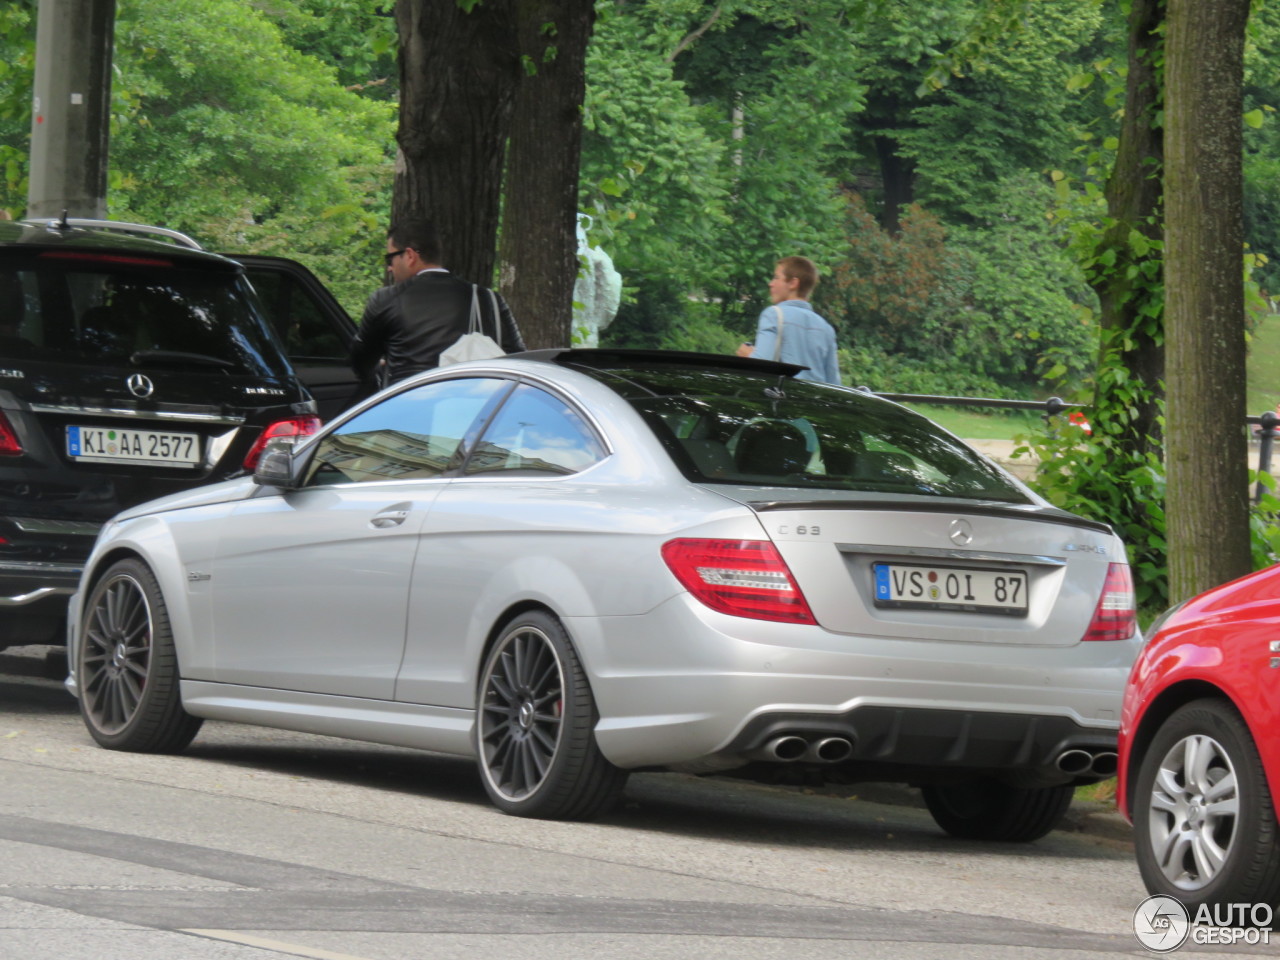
(390, 518)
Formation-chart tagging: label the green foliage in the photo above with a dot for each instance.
(650, 173)
(1098, 477)
(280, 159)
(355, 37)
(1011, 112)
(17, 66)
(886, 372)
(244, 136)
(1001, 299)
(1262, 142)
(706, 154)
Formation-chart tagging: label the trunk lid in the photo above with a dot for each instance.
(962, 571)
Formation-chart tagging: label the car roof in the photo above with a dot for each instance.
(42, 236)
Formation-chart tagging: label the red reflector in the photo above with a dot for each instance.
(292, 427)
(1115, 616)
(9, 445)
(115, 259)
(745, 578)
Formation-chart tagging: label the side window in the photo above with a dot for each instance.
(301, 325)
(535, 434)
(20, 320)
(411, 436)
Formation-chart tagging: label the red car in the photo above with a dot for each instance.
(1199, 770)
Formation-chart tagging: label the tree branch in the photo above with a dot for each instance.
(684, 44)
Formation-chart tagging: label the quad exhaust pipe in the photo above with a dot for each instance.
(829, 750)
(1105, 764)
(1078, 762)
(790, 748)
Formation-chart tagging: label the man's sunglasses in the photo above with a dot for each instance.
(388, 257)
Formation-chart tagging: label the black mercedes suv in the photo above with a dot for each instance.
(130, 367)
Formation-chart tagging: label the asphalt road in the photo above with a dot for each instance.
(257, 844)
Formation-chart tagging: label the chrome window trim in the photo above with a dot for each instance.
(304, 449)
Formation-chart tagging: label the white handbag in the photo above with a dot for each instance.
(475, 345)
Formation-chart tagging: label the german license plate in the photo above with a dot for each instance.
(113, 445)
(951, 588)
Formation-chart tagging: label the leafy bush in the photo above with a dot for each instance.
(885, 372)
(1001, 301)
(1090, 476)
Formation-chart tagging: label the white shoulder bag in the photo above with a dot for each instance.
(474, 344)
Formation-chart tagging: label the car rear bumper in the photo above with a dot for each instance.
(919, 744)
(911, 705)
(26, 584)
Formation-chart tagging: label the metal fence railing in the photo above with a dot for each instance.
(1265, 426)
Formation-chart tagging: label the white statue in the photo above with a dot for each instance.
(597, 291)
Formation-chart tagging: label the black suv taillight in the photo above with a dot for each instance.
(291, 427)
(9, 445)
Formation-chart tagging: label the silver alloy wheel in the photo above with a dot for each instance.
(1194, 809)
(115, 661)
(522, 713)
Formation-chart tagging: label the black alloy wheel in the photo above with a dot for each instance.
(126, 666)
(535, 727)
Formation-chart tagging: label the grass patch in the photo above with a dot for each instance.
(1262, 390)
(1103, 792)
(1262, 393)
(972, 423)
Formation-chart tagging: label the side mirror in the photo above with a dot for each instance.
(275, 466)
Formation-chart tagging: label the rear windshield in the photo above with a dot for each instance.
(88, 310)
(729, 426)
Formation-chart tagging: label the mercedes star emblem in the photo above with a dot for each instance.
(140, 386)
(961, 533)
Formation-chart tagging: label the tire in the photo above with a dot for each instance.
(1225, 851)
(127, 668)
(990, 810)
(535, 727)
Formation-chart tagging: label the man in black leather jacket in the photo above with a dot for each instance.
(424, 311)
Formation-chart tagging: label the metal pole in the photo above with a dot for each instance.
(72, 108)
(1266, 438)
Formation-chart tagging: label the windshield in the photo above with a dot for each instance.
(744, 427)
(90, 311)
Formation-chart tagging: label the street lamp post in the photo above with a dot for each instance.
(71, 109)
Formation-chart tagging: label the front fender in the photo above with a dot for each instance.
(177, 550)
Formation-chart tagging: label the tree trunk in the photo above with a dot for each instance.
(898, 173)
(458, 77)
(1133, 204)
(1207, 499)
(539, 220)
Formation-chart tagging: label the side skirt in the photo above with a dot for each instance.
(439, 729)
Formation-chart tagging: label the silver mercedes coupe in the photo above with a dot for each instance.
(573, 564)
